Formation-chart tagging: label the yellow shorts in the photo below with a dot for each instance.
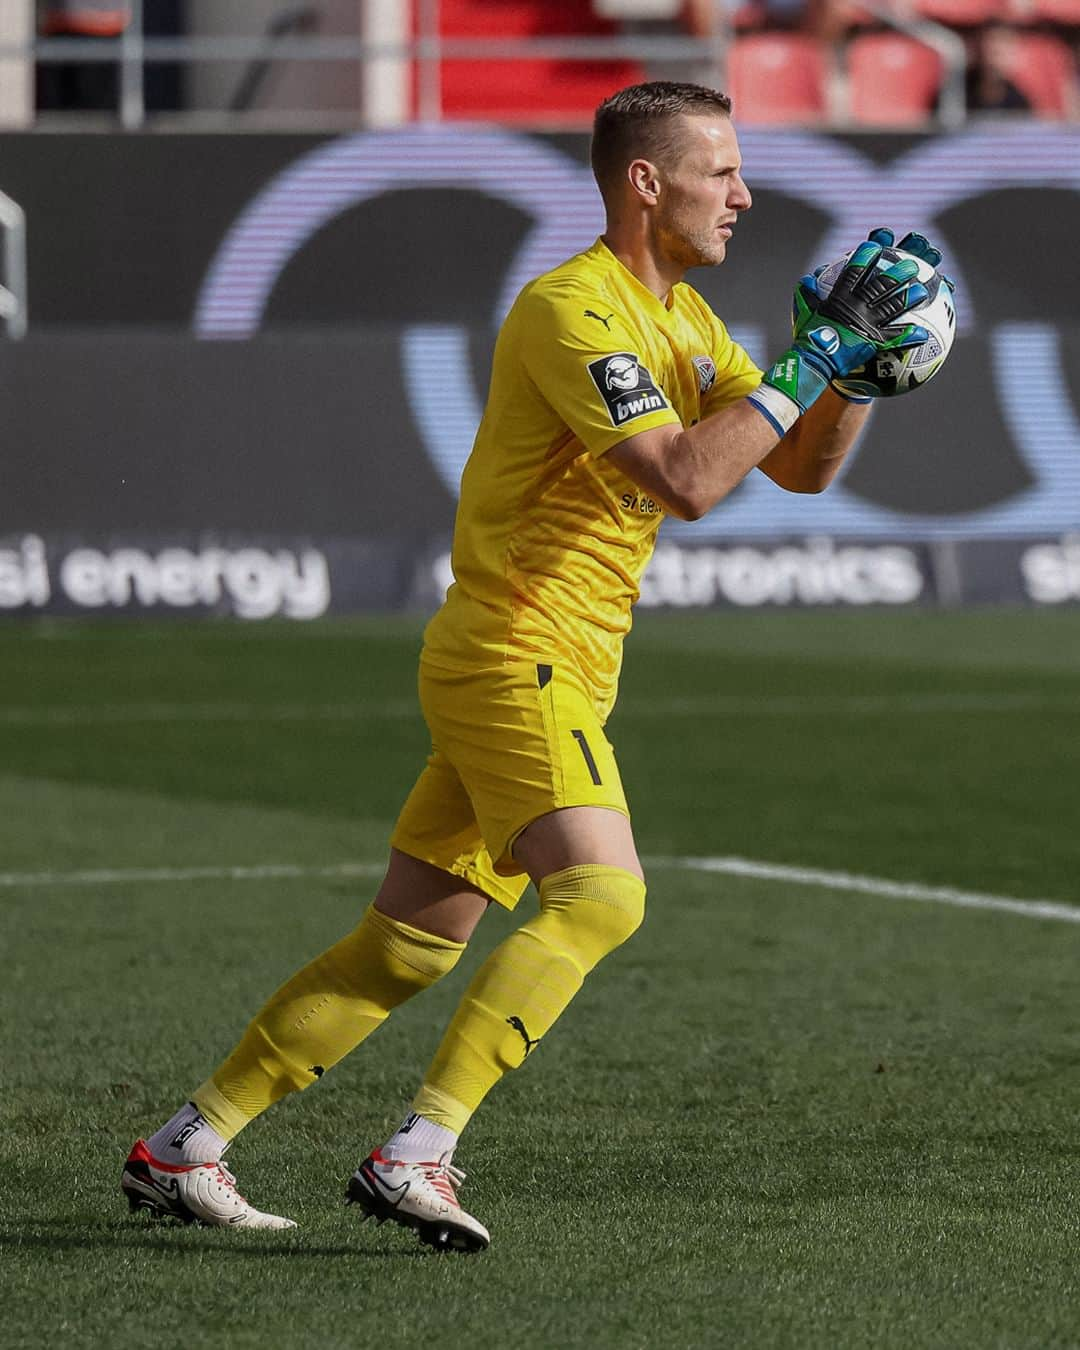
(508, 745)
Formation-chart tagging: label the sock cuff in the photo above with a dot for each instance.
(426, 953)
(218, 1112)
(592, 881)
(440, 1108)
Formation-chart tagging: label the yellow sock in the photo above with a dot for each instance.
(321, 1014)
(516, 995)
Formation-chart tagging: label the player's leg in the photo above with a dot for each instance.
(586, 910)
(412, 935)
(430, 899)
(338, 999)
(592, 898)
(584, 863)
(424, 1196)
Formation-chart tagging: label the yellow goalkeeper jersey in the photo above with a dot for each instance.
(551, 539)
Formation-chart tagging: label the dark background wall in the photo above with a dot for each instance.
(156, 406)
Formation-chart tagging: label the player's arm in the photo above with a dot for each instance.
(808, 457)
(793, 425)
(690, 469)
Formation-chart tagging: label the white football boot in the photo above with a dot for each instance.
(193, 1192)
(422, 1196)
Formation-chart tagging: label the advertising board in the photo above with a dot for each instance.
(255, 366)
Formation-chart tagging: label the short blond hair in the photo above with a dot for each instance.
(639, 123)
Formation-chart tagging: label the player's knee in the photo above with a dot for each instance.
(600, 907)
(390, 959)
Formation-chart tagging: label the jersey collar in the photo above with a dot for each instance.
(643, 297)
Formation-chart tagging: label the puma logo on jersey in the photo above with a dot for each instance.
(591, 314)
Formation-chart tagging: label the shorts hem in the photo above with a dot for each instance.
(515, 834)
(493, 887)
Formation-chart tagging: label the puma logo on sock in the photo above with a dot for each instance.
(519, 1026)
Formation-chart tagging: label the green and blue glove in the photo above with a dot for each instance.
(917, 244)
(836, 334)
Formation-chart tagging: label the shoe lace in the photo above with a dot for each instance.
(445, 1179)
(229, 1180)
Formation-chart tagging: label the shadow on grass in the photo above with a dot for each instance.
(175, 1240)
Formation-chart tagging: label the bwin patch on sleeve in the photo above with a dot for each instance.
(626, 387)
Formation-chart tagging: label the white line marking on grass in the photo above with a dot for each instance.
(729, 866)
(122, 713)
(878, 886)
(126, 876)
(845, 705)
(706, 705)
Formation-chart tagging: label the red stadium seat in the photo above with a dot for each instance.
(533, 92)
(1041, 66)
(960, 13)
(848, 14)
(892, 79)
(1063, 12)
(778, 77)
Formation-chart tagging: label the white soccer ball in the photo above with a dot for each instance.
(891, 373)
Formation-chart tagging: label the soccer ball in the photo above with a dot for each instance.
(891, 373)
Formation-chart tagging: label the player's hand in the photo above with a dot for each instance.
(920, 247)
(839, 333)
(848, 326)
(918, 244)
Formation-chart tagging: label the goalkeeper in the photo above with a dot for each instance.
(616, 397)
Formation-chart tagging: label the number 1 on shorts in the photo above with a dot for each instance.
(590, 763)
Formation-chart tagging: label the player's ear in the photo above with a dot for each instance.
(644, 179)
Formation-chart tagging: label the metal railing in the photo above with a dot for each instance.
(13, 293)
(430, 48)
(952, 105)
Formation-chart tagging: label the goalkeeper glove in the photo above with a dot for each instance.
(918, 244)
(920, 247)
(837, 334)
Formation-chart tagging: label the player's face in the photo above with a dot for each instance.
(702, 193)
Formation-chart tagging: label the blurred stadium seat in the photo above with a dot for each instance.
(960, 13)
(1041, 66)
(778, 77)
(529, 91)
(1065, 13)
(845, 15)
(892, 80)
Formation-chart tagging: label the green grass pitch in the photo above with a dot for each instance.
(783, 1116)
